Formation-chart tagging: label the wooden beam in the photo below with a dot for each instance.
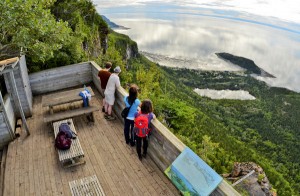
(15, 90)
(11, 132)
(9, 61)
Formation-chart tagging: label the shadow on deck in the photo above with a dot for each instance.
(32, 166)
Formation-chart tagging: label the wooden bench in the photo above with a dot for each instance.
(74, 155)
(64, 97)
(72, 113)
(67, 97)
(86, 186)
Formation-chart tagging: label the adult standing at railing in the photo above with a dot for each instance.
(104, 75)
(109, 93)
(133, 103)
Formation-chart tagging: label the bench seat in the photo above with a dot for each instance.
(74, 155)
(71, 113)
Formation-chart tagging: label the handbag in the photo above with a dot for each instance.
(125, 111)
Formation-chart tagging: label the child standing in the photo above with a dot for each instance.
(142, 127)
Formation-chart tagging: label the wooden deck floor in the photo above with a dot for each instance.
(32, 166)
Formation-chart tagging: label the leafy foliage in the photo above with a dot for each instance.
(51, 33)
(30, 27)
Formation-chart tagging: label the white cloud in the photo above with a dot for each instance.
(287, 10)
(225, 94)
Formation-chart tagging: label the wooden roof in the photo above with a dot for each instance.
(32, 166)
(8, 62)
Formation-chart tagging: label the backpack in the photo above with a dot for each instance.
(63, 138)
(125, 112)
(64, 127)
(62, 141)
(141, 125)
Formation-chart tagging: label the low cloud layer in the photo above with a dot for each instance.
(224, 94)
(286, 10)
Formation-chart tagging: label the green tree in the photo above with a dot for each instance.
(29, 27)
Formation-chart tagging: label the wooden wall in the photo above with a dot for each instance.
(7, 123)
(60, 78)
(23, 88)
(26, 86)
(164, 146)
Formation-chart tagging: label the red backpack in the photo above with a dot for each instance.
(141, 125)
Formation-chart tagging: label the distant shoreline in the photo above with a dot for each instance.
(113, 25)
(244, 63)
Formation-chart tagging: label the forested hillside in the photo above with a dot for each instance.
(51, 33)
(222, 132)
(266, 131)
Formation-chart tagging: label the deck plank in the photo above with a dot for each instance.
(98, 161)
(36, 169)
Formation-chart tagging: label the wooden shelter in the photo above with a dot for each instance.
(18, 100)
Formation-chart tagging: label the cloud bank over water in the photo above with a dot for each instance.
(225, 94)
(189, 36)
(286, 10)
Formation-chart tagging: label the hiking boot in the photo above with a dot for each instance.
(109, 117)
(140, 157)
(144, 155)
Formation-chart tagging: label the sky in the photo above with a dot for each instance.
(285, 10)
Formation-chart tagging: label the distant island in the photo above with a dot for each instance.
(112, 24)
(245, 63)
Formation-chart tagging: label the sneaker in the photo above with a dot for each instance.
(109, 117)
(103, 109)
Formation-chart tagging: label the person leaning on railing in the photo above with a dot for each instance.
(133, 103)
(104, 75)
(112, 84)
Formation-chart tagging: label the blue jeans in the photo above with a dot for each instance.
(128, 131)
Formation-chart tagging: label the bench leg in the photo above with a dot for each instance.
(73, 162)
(91, 117)
(51, 109)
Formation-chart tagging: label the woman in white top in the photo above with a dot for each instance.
(112, 84)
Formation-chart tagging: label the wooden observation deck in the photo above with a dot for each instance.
(30, 164)
(33, 168)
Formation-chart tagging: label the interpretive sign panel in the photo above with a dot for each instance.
(191, 175)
